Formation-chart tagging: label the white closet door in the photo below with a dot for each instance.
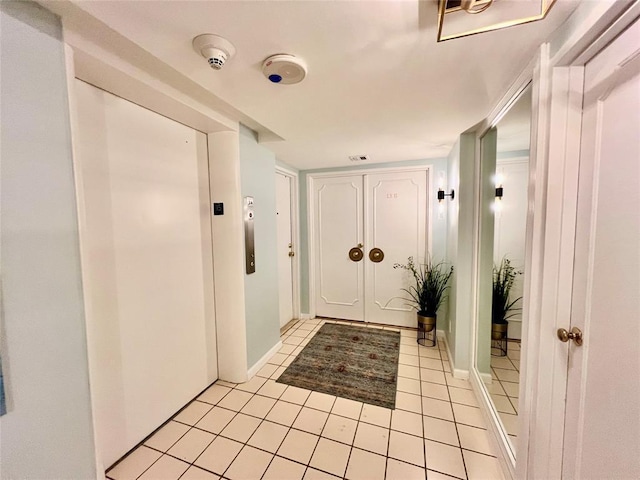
(395, 223)
(339, 281)
(602, 417)
(145, 232)
(285, 271)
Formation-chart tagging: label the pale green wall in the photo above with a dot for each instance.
(453, 182)
(438, 225)
(47, 431)
(257, 176)
(460, 252)
(485, 250)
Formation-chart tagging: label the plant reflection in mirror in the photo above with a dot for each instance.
(504, 276)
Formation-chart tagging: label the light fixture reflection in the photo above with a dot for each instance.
(461, 18)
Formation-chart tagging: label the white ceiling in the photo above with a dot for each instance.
(378, 83)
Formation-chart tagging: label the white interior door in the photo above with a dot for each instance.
(386, 211)
(339, 281)
(285, 247)
(602, 419)
(145, 236)
(395, 223)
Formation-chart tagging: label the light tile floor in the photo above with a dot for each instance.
(505, 374)
(265, 430)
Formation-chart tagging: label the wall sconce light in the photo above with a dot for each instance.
(499, 192)
(441, 195)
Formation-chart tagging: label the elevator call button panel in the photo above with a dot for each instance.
(249, 245)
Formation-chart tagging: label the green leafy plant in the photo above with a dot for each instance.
(504, 276)
(430, 287)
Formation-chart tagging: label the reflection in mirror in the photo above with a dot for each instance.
(504, 193)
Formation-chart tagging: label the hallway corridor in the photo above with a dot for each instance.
(266, 430)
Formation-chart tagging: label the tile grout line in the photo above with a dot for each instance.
(290, 357)
(353, 440)
(293, 422)
(464, 463)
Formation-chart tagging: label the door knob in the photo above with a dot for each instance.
(355, 254)
(575, 334)
(376, 255)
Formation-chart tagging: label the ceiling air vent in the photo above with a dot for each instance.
(358, 158)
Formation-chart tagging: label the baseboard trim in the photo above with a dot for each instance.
(456, 372)
(486, 378)
(263, 361)
(306, 316)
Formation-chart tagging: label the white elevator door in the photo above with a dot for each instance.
(147, 266)
(285, 246)
(386, 211)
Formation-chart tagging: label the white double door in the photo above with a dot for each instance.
(384, 211)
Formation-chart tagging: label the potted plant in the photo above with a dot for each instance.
(429, 290)
(502, 308)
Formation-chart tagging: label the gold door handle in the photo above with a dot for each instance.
(376, 255)
(575, 334)
(355, 254)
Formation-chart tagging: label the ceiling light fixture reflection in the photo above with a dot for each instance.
(475, 6)
(454, 20)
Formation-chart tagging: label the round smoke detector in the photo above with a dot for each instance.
(214, 48)
(284, 68)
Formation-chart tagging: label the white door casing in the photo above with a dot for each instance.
(602, 416)
(382, 209)
(285, 246)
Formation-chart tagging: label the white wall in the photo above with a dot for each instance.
(228, 255)
(147, 269)
(47, 432)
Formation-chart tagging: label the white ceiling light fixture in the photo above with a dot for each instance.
(284, 69)
(454, 20)
(216, 49)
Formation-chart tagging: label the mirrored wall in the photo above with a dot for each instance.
(504, 181)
